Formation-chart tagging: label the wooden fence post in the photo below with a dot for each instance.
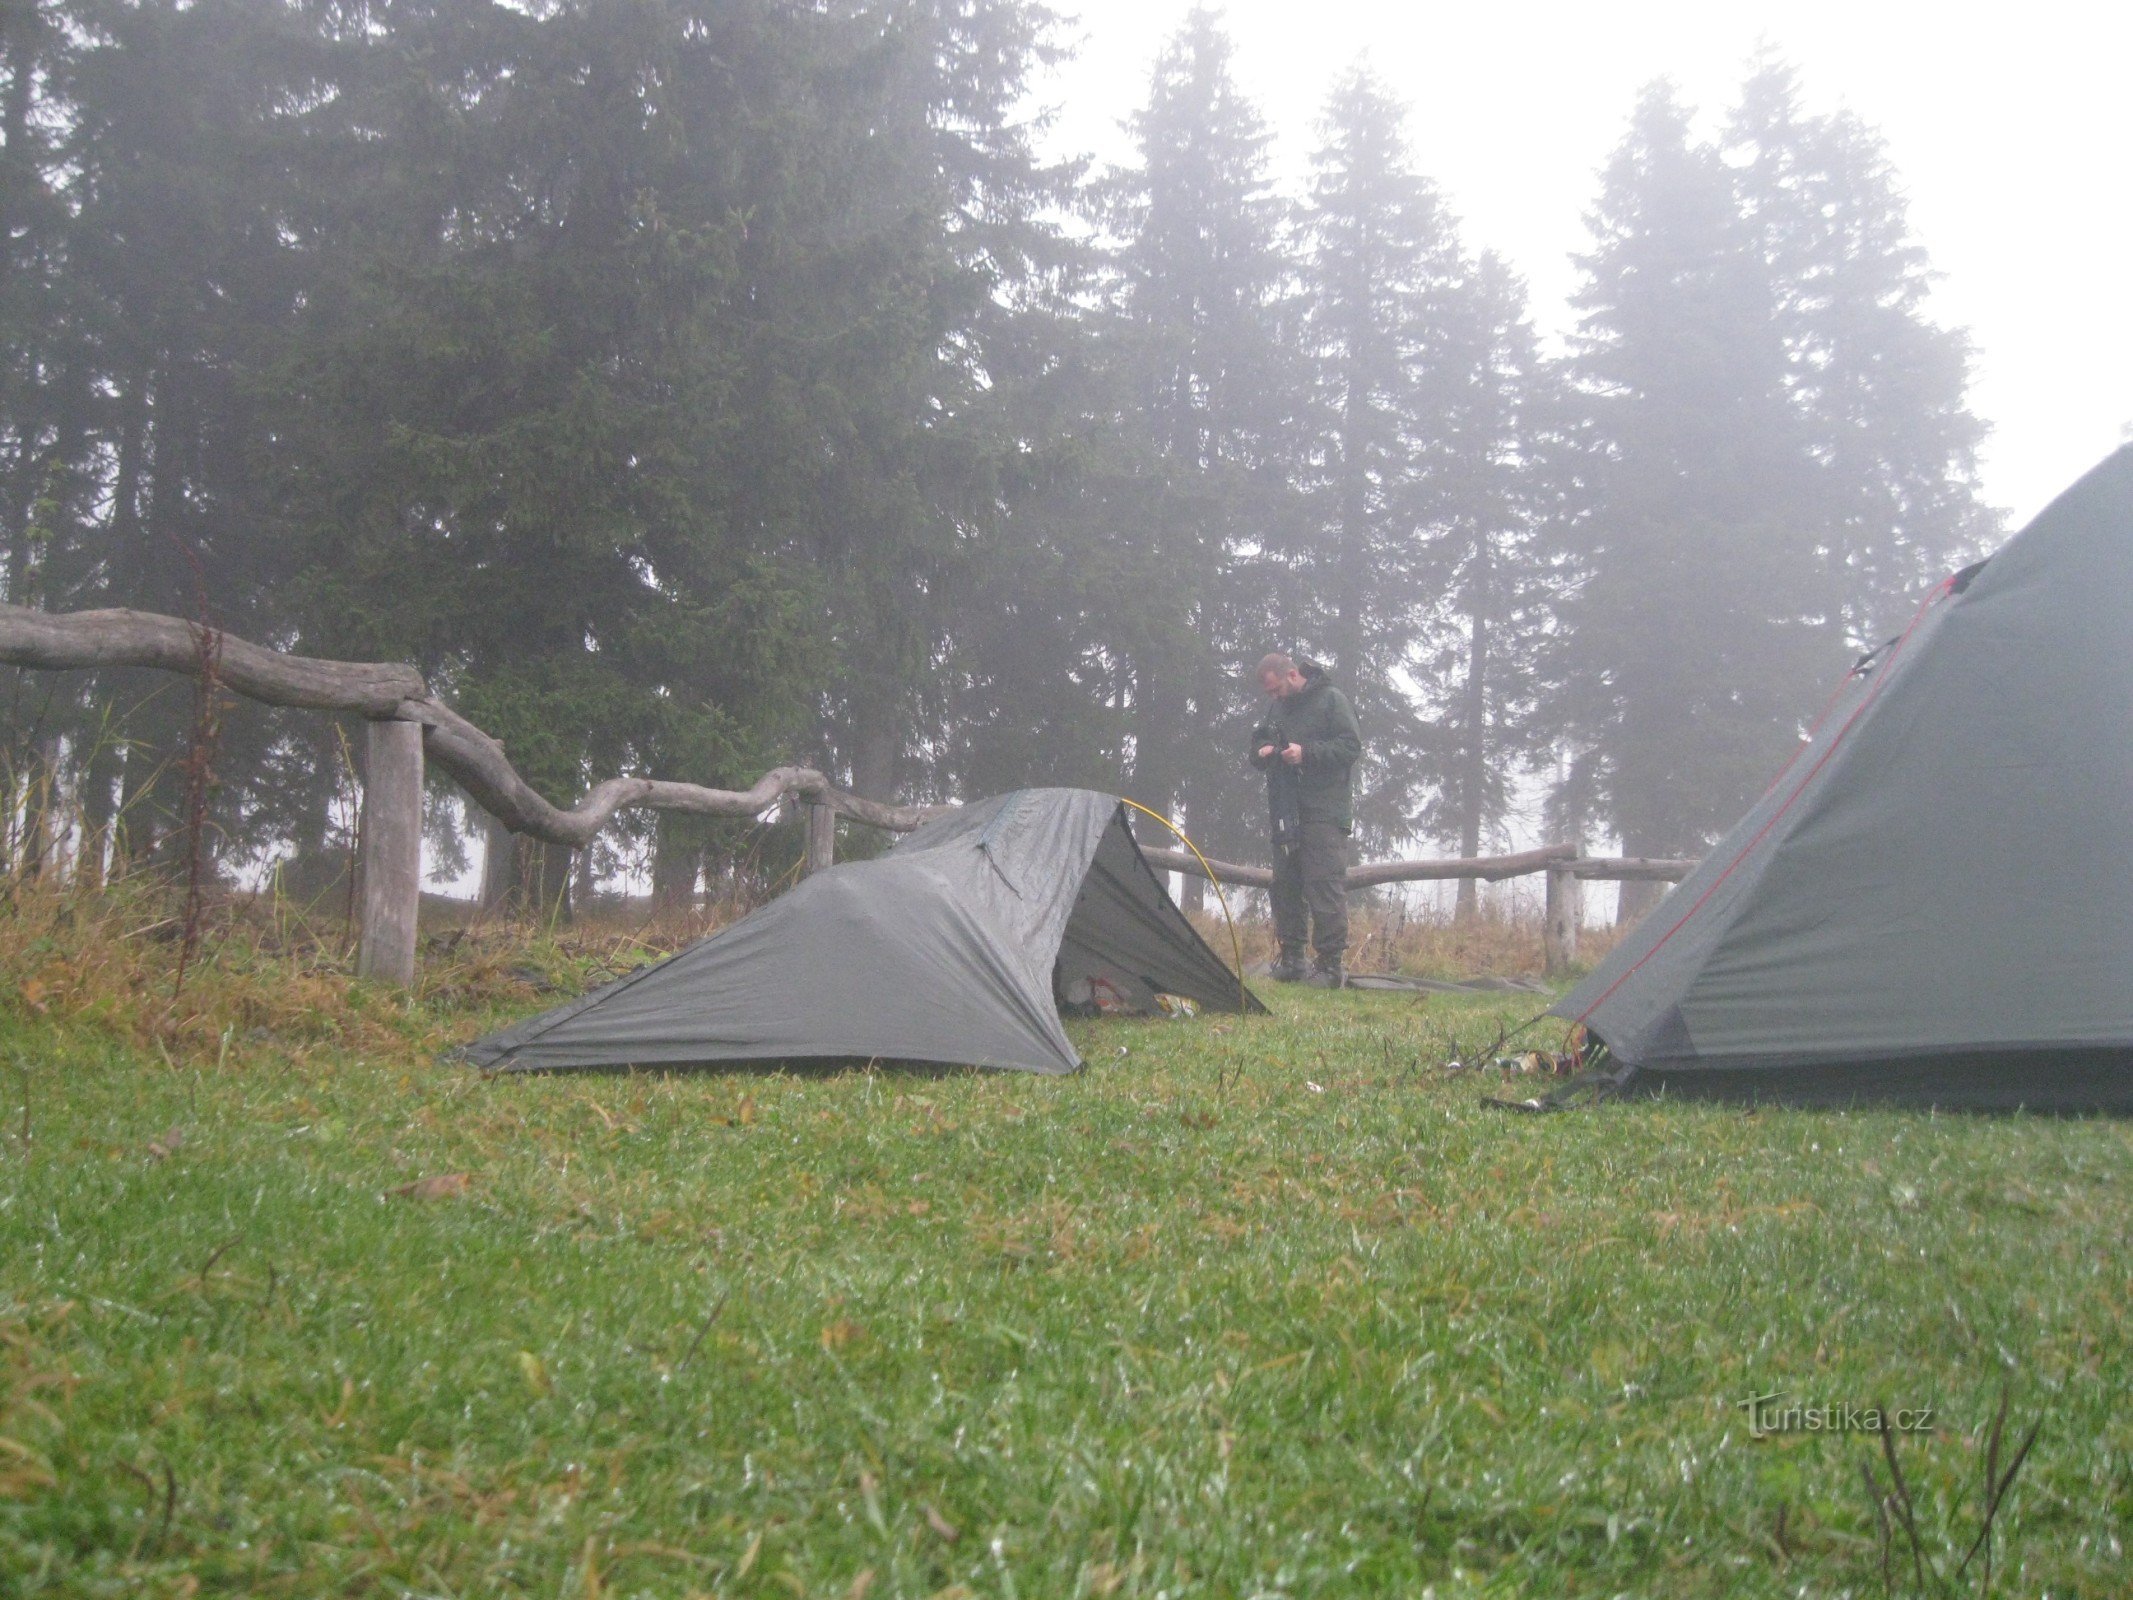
(391, 856)
(1559, 933)
(821, 836)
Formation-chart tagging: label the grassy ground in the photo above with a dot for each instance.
(1274, 1307)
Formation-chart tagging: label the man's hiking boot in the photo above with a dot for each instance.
(1325, 977)
(1289, 968)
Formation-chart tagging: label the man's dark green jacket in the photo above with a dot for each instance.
(1319, 718)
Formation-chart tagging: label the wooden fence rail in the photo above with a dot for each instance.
(409, 723)
(1565, 866)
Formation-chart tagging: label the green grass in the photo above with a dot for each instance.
(1271, 1308)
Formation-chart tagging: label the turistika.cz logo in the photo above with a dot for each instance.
(1777, 1412)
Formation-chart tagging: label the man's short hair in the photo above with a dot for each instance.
(1275, 662)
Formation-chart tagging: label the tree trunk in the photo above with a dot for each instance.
(1474, 760)
(101, 775)
(499, 867)
(547, 880)
(1192, 890)
(1638, 895)
(20, 497)
(583, 882)
(20, 41)
(1156, 702)
(534, 878)
(44, 819)
(877, 746)
(152, 738)
(1352, 559)
(677, 860)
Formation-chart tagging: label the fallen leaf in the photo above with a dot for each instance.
(30, 1471)
(841, 1333)
(438, 1186)
(870, 1498)
(33, 996)
(1315, 1088)
(165, 1145)
(535, 1372)
(755, 1548)
(743, 1114)
(860, 1585)
(947, 1531)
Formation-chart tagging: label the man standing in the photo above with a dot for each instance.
(1308, 745)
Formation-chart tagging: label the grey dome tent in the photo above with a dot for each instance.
(952, 947)
(1934, 902)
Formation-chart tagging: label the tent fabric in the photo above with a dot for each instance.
(948, 948)
(1934, 902)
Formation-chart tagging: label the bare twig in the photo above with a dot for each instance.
(1996, 1485)
(702, 1333)
(1879, 1501)
(170, 1503)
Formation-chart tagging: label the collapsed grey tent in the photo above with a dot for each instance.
(1934, 902)
(953, 947)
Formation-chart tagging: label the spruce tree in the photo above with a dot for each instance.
(941, 242)
(1385, 293)
(1496, 480)
(1687, 653)
(1205, 387)
(1878, 388)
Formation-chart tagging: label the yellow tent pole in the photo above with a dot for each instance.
(1236, 945)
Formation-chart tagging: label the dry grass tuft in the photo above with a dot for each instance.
(269, 977)
(1423, 945)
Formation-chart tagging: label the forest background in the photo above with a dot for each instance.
(688, 386)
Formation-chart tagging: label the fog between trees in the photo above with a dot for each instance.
(690, 385)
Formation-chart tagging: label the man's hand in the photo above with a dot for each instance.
(1292, 754)
(1265, 751)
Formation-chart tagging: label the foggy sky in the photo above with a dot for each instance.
(2010, 134)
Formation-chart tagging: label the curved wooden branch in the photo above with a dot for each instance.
(1621, 868)
(479, 765)
(395, 692)
(1224, 871)
(392, 691)
(143, 639)
(1489, 869)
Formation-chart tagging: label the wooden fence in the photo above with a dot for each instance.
(1565, 866)
(409, 725)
